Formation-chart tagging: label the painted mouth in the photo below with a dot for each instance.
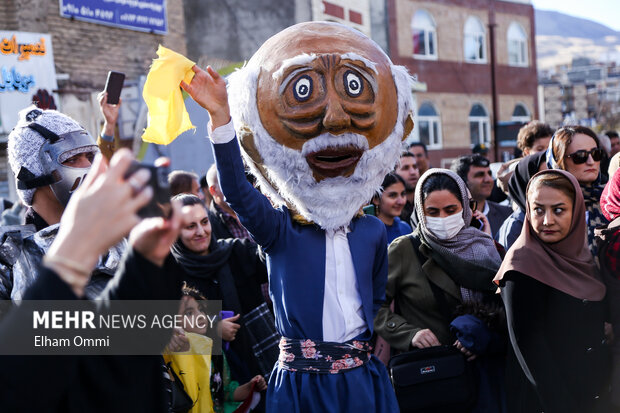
(334, 162)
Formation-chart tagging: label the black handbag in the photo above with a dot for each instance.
(433, 380)
(180, 400)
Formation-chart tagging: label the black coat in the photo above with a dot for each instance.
(559, 343)
(88, 383)
(218, 226)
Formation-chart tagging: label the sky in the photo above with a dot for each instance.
(606, 12)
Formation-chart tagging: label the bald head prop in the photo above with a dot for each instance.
(321, 113)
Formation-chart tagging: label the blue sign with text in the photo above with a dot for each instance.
(142, 15)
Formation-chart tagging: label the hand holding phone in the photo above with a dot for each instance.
(224, 314)
(476, 223)
(480, 221)
(159, 205)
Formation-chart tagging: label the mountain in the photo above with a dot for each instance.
(560, 37)
(553, 23)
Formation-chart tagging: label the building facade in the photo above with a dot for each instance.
(83, 40)
(584, 92)
(453, 47)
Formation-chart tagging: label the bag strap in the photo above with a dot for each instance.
(415, 241)
(440, 298)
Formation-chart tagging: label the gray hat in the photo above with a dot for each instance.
(24, 144)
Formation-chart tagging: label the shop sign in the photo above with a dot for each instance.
(141, 15)
(26, 66)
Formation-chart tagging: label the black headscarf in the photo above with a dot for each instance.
(203, 266)
(525, 170)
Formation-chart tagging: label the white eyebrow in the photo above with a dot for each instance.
(299, 60)
(354, 56)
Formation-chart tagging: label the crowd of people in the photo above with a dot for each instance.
(550, 249)
(519, 272)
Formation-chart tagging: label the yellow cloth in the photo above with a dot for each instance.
(193, 367)
(167, 117)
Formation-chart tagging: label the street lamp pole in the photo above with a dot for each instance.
(494, 116)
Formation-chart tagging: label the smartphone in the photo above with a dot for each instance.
(370, 210)
(114, 85)
(476, 223)
(159, 205)
(224, 314)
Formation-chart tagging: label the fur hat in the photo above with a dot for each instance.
(24, 143)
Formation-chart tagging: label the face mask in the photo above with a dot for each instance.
(445, 228)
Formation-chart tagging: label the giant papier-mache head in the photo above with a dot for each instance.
(321, 113)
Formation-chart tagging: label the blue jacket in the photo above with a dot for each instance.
(296, 252)
(510, 229)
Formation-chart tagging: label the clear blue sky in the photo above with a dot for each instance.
(606, 12)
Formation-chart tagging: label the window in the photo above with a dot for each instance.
(517, 45)
(479, 129)
(475, 41)
(429, 126)
(424, 35)
(521, 114)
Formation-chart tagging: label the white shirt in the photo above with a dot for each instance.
(486, 209)
(343, 316)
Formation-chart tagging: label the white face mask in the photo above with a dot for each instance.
(445, 228)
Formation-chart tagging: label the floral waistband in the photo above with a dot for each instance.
(323, 357)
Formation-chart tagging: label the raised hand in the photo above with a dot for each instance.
(153, 237)
(109, 112)
(208, 89)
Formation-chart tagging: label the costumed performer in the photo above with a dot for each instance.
(320, 112)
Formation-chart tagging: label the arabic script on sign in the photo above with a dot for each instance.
(24, 50)
(12, 80)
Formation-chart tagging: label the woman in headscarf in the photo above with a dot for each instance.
(444, 265)
(554, 304)
(576, 149)
(517, 184)
(608, 243)
(227, 270)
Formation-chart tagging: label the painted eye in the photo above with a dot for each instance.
(302, 89)
(353, 84)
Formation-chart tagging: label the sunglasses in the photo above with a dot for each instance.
(581, 156)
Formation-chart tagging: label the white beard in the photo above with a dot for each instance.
(333, 202)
